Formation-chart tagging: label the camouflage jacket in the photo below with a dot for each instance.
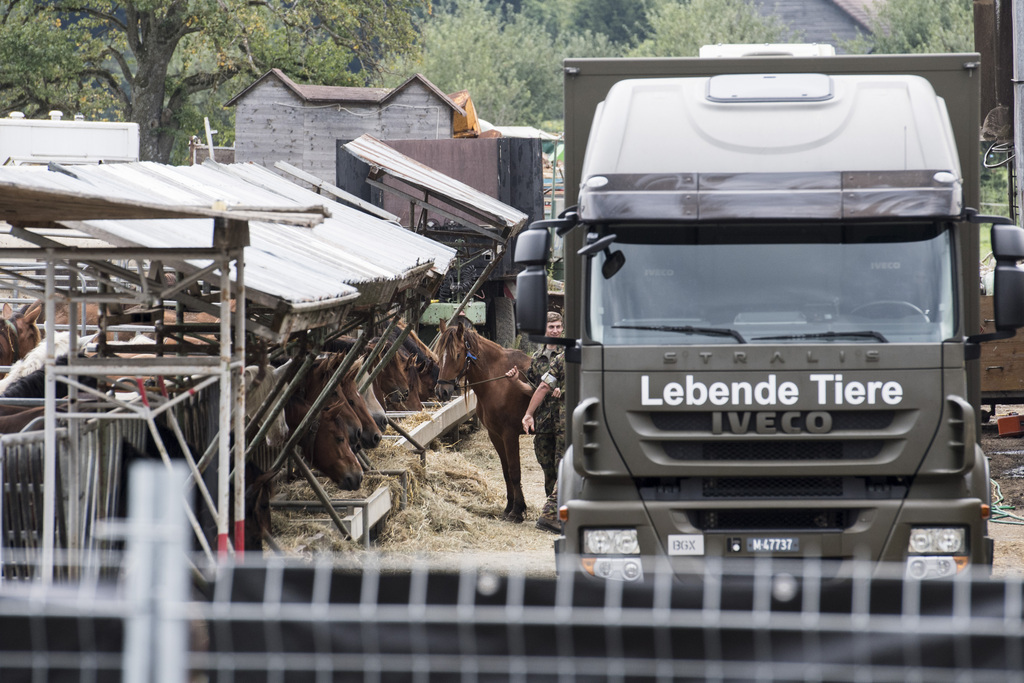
(549, 366)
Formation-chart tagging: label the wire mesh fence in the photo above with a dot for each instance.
(153, 616)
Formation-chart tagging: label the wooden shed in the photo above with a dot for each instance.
(277, 119)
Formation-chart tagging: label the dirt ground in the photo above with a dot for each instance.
(456, 500)
(453, 517)
(1006, 460)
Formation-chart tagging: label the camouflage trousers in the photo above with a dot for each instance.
(550, 507)
(549, 449)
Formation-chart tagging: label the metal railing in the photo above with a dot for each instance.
(375, 618)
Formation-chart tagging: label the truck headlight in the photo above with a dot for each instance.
(941, 540)
(610, 542)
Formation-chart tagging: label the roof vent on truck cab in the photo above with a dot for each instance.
(767, 50)
(770, 88)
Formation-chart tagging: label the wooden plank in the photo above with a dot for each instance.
(449, 416)
(371, 511)
(1002, 361)
(378, 505)
(365, 513)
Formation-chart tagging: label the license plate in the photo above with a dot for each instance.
(784, 544)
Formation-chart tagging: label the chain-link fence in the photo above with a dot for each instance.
(371, 618)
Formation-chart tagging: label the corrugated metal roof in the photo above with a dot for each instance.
(350, 253)
(380, 156)
(35, 195)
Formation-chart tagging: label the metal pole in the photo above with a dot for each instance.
(239, 429)
(156, 633)
(224, 417)
(50, 422)
(1018, 103)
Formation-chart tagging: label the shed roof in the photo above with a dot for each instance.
(437, 185)
(327, 94)
(348, 257)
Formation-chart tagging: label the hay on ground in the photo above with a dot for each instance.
(454, 503)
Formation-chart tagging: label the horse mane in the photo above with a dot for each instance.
(259, 383)
(339, 344)
(329, 363)
(414, 345)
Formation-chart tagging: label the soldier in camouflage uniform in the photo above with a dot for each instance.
(548, 418)
(545, 416)
(553, 383)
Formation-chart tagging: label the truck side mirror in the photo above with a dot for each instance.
(1008, 301)
(532, 249)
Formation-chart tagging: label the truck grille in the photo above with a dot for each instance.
(773, 487)
(772, 450)
(845, 420)
(774, 519)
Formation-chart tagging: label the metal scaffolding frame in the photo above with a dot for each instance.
(123, 277)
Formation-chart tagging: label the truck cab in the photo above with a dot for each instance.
(769, 284)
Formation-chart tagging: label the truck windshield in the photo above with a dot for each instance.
(804, 283)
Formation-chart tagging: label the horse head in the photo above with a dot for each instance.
(392, 384)
(332, 454)
(456, 347)
(19, 333)
(413, 401)
(370, 430)
(427, 368)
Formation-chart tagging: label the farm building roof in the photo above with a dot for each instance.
(327, 94)
(859, 10)
(327, 252)
(437, 186)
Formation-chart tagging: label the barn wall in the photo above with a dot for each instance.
(273, 124)
(268, 125)
(415, 114)
(818, 21)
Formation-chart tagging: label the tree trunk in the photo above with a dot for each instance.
(156, 121)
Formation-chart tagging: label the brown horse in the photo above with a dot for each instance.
(392, 385)
(19, 333)
(424, 365)
(326, 444)
(18, 418)
(501, 404)
(362, 428)
(410, 365)
(371, 432)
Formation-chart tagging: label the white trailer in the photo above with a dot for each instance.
(42, 141)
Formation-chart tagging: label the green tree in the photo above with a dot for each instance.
(42, 69)
(147, 61)
(680, 28)
(918, 26)
(510, 64)
(625, 22)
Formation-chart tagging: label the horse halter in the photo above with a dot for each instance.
(462, 373)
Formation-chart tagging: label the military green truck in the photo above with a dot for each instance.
(771, 312)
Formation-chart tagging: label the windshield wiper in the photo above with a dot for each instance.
(687, 329)
(829, 335)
